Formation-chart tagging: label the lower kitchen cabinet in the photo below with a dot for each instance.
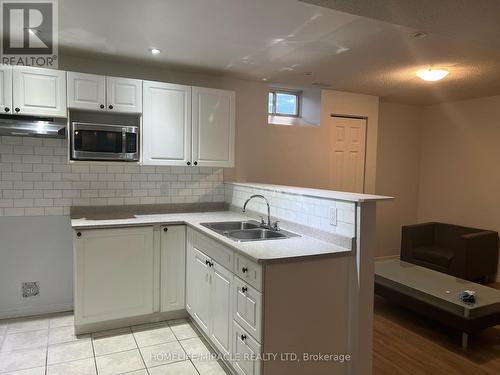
(114, 273)
(173, 267)
(247, 304)
(198, 287)
(221, 311)
(245, 352)
(209, 296)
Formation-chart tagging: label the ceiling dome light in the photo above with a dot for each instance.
(432, 74)
(154, 51)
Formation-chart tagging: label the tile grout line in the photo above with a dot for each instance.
(47, 349)
(138, 349)
(93, 352)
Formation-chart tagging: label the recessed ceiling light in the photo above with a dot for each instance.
(432, 74)
(154, 51)
(264, 79)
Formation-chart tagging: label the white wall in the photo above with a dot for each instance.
(398, 162)
(299, 155)
(311, 105)
(35, 249)
(459, 174)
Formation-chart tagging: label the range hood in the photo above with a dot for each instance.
(31, 126)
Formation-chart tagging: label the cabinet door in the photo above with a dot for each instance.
(166, 124)
(5, 89)
(221, 308)
(213, 127)
(86, 91)
(173, 267)
(247, 308)
(198, 287)
(39, 91)
(124, 94)
(245, 352)
(114, 274)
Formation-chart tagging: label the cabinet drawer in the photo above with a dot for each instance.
(212, 248)
(247, 310)
(244, 349)
(248, 271)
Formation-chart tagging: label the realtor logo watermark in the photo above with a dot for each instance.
(29, 33)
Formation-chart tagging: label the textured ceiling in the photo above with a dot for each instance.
(353, 45)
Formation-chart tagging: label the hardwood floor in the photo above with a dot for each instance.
(407, 343)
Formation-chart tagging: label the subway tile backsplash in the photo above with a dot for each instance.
(305, 210)
(37, 180)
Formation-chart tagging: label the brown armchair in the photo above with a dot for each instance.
(467, 253)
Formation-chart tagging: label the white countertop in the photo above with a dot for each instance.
(315, 193)
(259, 251)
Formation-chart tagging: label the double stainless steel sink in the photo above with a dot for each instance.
(244, 231)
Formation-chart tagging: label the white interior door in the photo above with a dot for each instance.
(166, 124)
(86, 91)
(347, 162)
(213, 127)
(5, 89)
(124, 94)
(39, 91)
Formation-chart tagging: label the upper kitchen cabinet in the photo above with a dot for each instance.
(86, 91)
(187, 126)
(213, 127)
(38, 91)
(5, 89)
(124, 94)
(100, 93)
(166, 124)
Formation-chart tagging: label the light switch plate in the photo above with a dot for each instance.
(333, 216)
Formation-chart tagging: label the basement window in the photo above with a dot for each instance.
(284, 103)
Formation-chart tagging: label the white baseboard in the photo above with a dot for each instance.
(36, 310)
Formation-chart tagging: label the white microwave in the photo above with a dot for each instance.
(104, 142)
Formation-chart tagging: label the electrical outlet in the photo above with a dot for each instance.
(333, 216)
(31, 289)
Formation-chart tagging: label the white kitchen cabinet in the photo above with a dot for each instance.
(39, 91)
(86, 91)
(245, 353)
(124, 94)
(173, 267)
(99, 93)
(213, 127)
(221, 307)
(5, 89)
(114, 273)
(198, 287)
(247, 308)
(209, 294)
(187, 126)
(166, 124)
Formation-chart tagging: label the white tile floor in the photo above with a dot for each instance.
(47, 345)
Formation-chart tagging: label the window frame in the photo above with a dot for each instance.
(296, 93)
